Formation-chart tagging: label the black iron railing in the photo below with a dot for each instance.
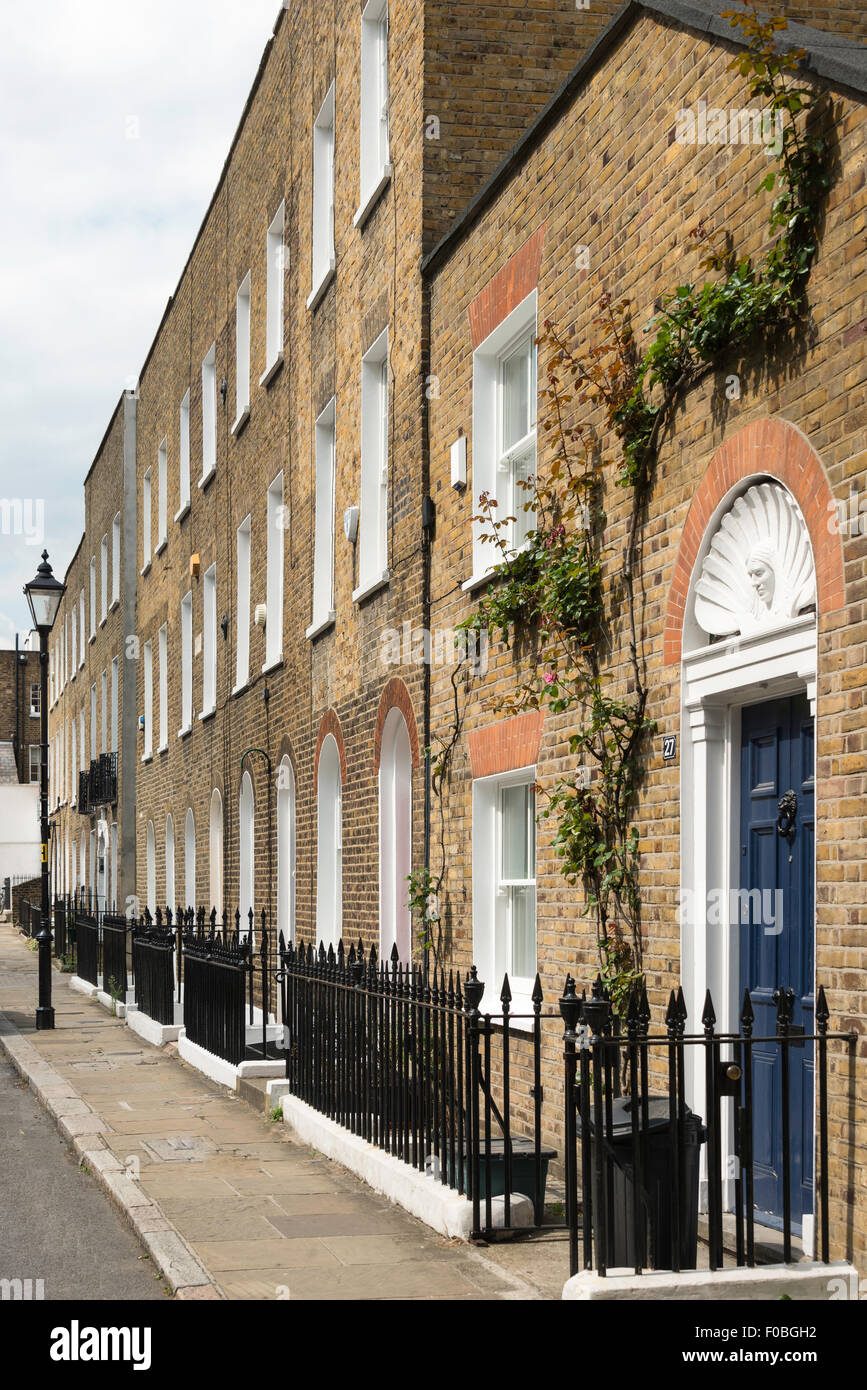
(404, 1058)
(633, 1160)
(84, 806)
(216, 967)
(115, 931)
(153, 955)
(88, 947)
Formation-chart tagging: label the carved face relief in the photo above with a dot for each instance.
(762, 579)
(758, 572)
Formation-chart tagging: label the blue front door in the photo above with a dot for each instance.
(776, 937)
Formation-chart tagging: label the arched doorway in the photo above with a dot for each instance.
(395, 836)
(151, 869)
(215, 849)
(246, 850)
(170, 862)
(190, 860)
(329, 850)
(286, 850)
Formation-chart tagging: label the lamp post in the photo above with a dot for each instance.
(43, 595)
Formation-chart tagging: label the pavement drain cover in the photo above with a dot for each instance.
(184, 1148)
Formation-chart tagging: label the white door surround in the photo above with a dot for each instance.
(757, 661)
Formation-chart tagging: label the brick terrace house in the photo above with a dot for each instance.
(397, 217)
(281, 465)
(19, 759)
(779, 704)
(92, 686)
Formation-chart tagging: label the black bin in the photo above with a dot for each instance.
(656, 1186)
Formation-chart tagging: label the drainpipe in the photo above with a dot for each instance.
(428, 515)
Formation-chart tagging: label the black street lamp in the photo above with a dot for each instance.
(43, 595)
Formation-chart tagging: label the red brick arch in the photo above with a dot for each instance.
(779, 450)
(330, 725)
(396, 696)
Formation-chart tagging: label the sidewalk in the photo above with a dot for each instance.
(225, 1203)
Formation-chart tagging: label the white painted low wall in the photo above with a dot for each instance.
(421, 1194)
(806, 1280)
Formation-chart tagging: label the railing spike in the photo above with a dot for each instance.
(537, 996)
(747, 1014)
(708, 1016)
(506, 991)
(823, 1013)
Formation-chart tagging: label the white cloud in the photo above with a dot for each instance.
(95, 226)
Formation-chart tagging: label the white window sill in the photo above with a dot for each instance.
(162, 545)
(145, 569)
(182, 512)
(519, 1004)
(273, 664)
(115, 603)
(238, 689)
(372, 198)
(206, 477)
(103, 620)
(147, 757)
(318, 291)
(270, 372)
(241, 421)
(185, 733)
(207, 714)
(477, 581)
(322, 625)
(163, 748)
(367, 590)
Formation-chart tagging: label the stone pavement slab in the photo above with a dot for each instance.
(227, 1204)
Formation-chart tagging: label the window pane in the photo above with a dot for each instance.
(516, 393)
(517, 808)
(523, 931)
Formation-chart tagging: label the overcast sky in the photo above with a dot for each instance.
(115, 120)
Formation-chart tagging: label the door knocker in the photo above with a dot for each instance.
(787, 807)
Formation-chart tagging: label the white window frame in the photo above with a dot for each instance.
(492, 948)
(170, 862)
(104, 703)
(373, 516)
(274, 578)
(81, 629)
(186, 664)
(162, 648)
(74, 652)
(148, 653)
(115, 560)
(277, 256)
(374, 166)
(183, 458)
(162, 495)
(209, 643)
(209, 415)
(487, 473)
(92, 597)
(242, 605)
(242, 354)
(34, 764)
(322, 238)
(103, 584)
(114, 703)
(246, 853)
(35, 699)
(323, 538)
(146, 506)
